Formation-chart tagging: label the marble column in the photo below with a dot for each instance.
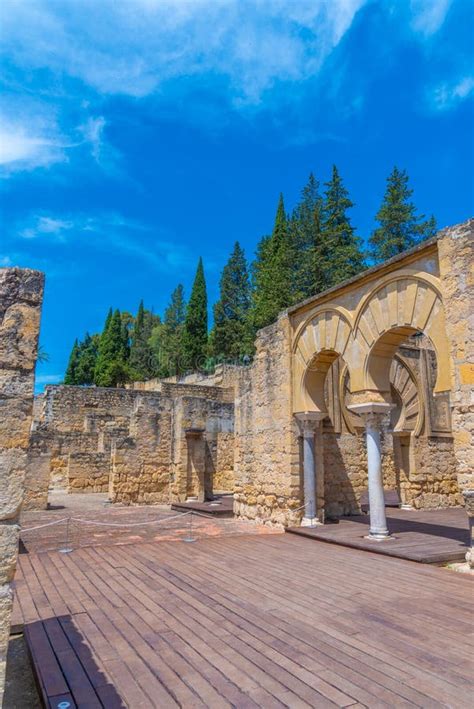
(469, 502)
(373, 415)
(309, 422)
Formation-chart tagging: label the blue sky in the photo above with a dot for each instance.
(137, 136)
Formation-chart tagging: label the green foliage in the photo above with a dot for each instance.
(400, 227)
(272, 272)
(166, 339)
(141, 356)
(305, 229)
(112, 367)
(195, 324)
(88, 351)
(231, 336)
(71, 372)
(339, 253)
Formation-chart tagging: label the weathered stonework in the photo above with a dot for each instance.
(130, 443)
(21, 294)
(360, 342)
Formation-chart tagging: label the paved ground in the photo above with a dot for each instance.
(427, 536)
(107, 524)
(260, 621)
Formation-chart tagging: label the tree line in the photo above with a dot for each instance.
(308, 251)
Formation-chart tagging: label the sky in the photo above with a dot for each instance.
(138, 135)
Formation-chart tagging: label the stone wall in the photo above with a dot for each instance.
(21, 294)
(267, 469)
(131, 443)
(456, 258)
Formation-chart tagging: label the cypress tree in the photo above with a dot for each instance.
(195, 324)
(140, 351)
(167, 338)
(339, 255)
(271, 272)
(231, 335)
(71, 371)
(88, 351)
(111, 366)
(305, 228)
(400, 227)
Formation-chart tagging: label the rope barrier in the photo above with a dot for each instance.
(48, 524)
(132, 524)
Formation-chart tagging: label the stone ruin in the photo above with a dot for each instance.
(21, 295)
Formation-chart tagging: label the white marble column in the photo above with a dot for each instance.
(309, 422)
(373, 415)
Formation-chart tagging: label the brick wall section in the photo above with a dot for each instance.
(21, 294)
(456, 256)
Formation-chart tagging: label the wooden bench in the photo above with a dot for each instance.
(65, 671)
(392, 499)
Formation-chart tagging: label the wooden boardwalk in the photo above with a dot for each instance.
(426, 536)
(258, 621)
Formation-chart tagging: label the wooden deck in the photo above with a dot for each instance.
(221, 506)
(262, 621)
(426, 536)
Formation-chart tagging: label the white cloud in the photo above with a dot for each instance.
(49, 378)
(23, 147)
(5, 261)
(448, 95)
(46, 225)
(429, 15)
(134, 47)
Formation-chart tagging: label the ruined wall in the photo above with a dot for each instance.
(456, 258)
(267, 468)
(21, 294)
(130, 443)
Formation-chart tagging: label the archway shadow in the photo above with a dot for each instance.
(400, 525)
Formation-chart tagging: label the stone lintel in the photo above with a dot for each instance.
(194, 432)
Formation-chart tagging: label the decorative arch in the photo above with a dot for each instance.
(322, 338)
(397, 308)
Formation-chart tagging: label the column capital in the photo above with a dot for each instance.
(371, 411)
(194, 432)
(309, 421)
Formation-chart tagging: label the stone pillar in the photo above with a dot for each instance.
(21, 295)
(309, 422)
(373, 414)
(469, 502)
(197, 463)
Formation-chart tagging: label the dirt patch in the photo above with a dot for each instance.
(20, 687)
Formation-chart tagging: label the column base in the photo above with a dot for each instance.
(310, 522)
(406, 506)
(378, 536)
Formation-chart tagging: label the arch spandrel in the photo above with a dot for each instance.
(395, 307)
(392, 312)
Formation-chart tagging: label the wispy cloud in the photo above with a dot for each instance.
(105, 232)
(42, 379)
(447, 95)
(134, 48)
(429, 15)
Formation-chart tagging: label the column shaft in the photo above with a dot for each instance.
(378, 520)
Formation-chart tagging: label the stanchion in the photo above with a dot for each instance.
(67, 548)
(190, 537)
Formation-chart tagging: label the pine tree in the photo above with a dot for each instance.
(231, 335)
(400, 227)
(305, 230)
(195, 324)
(339, 255)
(88, 351)
(111, 366)
(272, 272)
(71, 372)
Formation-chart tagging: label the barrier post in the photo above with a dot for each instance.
(67, 548)
(190, 537)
